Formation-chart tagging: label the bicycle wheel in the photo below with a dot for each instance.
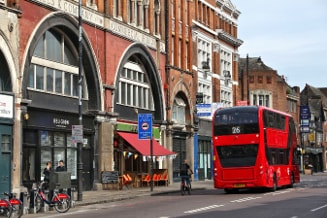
(38, 203)
(17, 210)
(6, 212)
(189, 189)
(182, 188)
(61, 204)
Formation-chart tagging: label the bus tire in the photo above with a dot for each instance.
(231, 190)
(291, 181)
(275, 185)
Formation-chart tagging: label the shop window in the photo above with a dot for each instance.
(56, 146)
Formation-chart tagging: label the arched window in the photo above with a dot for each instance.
(5, 78)
(134, 87)
(179, 110)
(54, 65)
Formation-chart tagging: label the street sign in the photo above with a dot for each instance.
(304, 119)
(304, 129)
(144, 126)
(77, 133)
(304, 112)
(203, 110)
(199, 98)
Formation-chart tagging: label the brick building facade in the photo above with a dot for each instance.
(139, 57)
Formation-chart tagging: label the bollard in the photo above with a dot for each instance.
(31, 203)
(23, 198)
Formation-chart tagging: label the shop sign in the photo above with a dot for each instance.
(72, 9)
(6, 106)
(312, 137)
(203, 110)
(199, 98)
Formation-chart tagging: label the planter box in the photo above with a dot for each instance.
(307, 171)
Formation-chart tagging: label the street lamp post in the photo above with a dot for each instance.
(247, 79)
(80, 116)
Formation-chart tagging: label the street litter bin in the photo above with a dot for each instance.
(62, 179)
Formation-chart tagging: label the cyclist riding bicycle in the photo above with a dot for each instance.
(186, 172)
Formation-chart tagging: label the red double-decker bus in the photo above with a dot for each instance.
(254, 147)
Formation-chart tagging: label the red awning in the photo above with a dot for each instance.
(143, 146)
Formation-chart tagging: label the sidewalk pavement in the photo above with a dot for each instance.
(105, 196)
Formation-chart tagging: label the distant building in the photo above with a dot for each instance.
(314, 137)
(260, 84)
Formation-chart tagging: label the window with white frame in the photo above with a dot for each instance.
(226, 97)
(134, 87)
(204, 78)
(204, 52)
(179, 110)
(261, 97)
(225, 64)
(54, 66)
(204, 86)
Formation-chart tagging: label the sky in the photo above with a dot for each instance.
(290, 36)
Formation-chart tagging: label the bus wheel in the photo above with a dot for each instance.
(292, 181)
(230, 190)
(274, 188)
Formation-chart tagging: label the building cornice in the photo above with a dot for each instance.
(221, 34)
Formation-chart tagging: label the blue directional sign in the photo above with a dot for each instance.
(304, 119)
(304, 112)
(144, 126)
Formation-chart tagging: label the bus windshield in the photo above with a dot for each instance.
(233, 121)
(237, 155)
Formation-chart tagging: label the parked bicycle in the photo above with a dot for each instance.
(5, 208)
(16, 205)
(60, 201)
(185, 187)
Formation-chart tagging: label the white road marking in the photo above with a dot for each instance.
(318, 208)
(203, 209)
(278, 192)
(245, 199)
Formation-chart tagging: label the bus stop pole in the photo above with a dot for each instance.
(151, 165)
(80, 116)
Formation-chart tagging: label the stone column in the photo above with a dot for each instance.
(106, 147)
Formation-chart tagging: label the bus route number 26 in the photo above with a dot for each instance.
(236, 129)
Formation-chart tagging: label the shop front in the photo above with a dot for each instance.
(47, 136)
(132, 156)
(313, 159)
(204, 150)
(6, 138)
